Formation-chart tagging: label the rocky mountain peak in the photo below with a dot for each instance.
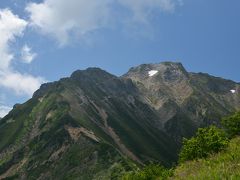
(161, 83)
(93, 73)
(167, 71)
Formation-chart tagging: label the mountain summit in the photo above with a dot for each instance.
(94, 125)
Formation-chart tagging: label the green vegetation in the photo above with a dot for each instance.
(232, 124)
(223, 165)
(208, 155)
(14, 126)
(150, 172)
(207, 141)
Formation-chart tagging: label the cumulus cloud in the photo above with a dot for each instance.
(12, 27)
(141, 9)
(27, 55)
(21, 84)
(4, 110)
(63, 19)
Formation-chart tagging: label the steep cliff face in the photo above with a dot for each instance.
(96, 125)
(184, 101)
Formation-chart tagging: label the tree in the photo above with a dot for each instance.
(232, 124)
(207, 141)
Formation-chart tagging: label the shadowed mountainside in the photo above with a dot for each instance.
(94, 125)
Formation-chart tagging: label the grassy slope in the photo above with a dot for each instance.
(40, 155)
(224, 165)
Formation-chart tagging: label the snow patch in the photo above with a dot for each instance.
(233, 91)
(152, 73)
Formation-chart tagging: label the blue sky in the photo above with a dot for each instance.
(45, 40)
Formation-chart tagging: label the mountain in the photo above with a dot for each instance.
(184, 101)
(94, 125)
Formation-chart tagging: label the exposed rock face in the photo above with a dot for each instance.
(199, 99)
(170, 83)
(94, 122)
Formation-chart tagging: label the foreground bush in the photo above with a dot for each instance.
(150, 172)
(232, 124)
(223, 165)
(207, 141)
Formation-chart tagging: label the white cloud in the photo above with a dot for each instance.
(12, 27)
(21, 84)
(4, 110)
(63, 19)
(141, 9)
(27, 55)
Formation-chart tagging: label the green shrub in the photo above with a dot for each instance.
(232, 124)
(223, 165)
(207, 141)
(150, 172)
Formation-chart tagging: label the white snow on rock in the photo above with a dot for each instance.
(233, 91)
(152, 73)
